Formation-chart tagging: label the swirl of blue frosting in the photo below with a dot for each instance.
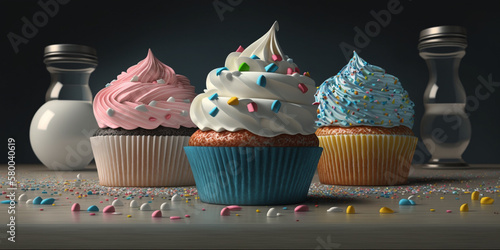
(363, 94)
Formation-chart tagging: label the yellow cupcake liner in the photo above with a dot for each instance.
(366, 159)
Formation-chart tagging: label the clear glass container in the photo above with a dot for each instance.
(445, 127)
(61, 128)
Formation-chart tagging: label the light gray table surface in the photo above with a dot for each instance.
(409, 227)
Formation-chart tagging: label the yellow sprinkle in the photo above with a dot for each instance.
(53, 204)
(307, 74)
(233, 101)
(187, 201)
(365, 97)
(395, 81)
(355, 92)
(350, 210)
(345, 91)
(337, 102)
(433, 210)
(393, 101)
(386, 210)
(258, 211)
(366, 77)
(474, 196)
(237, 214)
(79, 196)
(350, 124)
(442, 198)
(466, 192)
(487, 201)
(464, 208)
(128, 216)
(382, 122)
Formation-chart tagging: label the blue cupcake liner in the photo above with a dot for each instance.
(253, 175)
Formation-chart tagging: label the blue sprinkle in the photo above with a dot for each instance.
(44, 192)
(213, 97)
(261, 81)
(150, 201)
(93, 208)
(37, 200)
(219, 70)
(457, 198)
(271, 67)
(7, 202)
(275, 107)
(285, 208)
(254, 57)
(48, 201)
(89, 193)
(214, 111)
(107, 85)
(404, 202)
(128, 198)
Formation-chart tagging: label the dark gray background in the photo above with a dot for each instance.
(190, 37)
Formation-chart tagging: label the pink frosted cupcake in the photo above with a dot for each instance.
(144, 123)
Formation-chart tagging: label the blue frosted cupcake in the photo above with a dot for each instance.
(256, 143)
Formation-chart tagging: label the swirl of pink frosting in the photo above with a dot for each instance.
(147, 96)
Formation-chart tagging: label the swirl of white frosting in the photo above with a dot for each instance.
(260, 90)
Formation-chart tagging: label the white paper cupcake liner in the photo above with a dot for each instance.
(142, 161)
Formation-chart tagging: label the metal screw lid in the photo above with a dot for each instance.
(443, 35)
(70, 52)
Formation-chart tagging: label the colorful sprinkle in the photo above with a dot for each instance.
(302, 87)
(271, 67)
(171, 99)
(156, 214)
(214, 111)
(289, 71)
(134, 79)
(160, 81)
(240, 49)
(244, 67)
(225, 212)
(276, 58)
(215, 96)
(219, 70)
(261, 81)
(350, 210)
(301, 208)
(233, 101)
(254, 57)
(110, 112)
(464, 207)
(275, 107)
(474, 196)
(252, 107)
(386, 210)
(487, 201)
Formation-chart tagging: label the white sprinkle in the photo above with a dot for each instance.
(411, 197)
(114, 80)
(79, 176)
(134, 79)
(164, 206)
(117, 203)
(134, 204)
(290, 60)
(272, 212)
(184, 113)
(160, 81)
(29, 201)
(171, 99)
(335, 209)
(176, 197)
(186, 100)
(23, 197)
(142, 108)
(152, 103)
(145, 207)
(278, 214)
(110, 112)
(117, 213)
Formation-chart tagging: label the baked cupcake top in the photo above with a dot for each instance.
(362, 94)
(260, 89)
(147, 96)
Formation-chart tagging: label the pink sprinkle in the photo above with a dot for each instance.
(395, 110)
(448, 211)
(297, 70)
(252, 107)
(187, 216)
(289, 71)
(175, 217)
(376, 117)
(157, 214)
(107, 200)
(315, 103)
(277, 58)
(303, 88)
(100, 201)
(202, 209)
(234, 208)
(41, 209)
(109, 209)
(240, 49)
(152, 119)
(301, 208)
(168, 116)
(225, 212)
(75, 207)
(91, 214)
(368, 92)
